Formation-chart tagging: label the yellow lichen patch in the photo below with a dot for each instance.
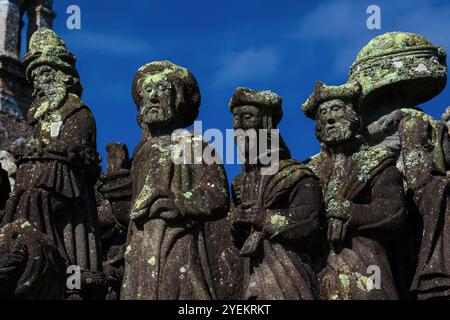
(152, 261)
(278, 221)
(144, 195)
(42, 109)
(368, 159)
(364, 283)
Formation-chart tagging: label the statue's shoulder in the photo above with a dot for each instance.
(289, 166)
(368, 161)
(415, 117)
(318, 163)
(75, 106)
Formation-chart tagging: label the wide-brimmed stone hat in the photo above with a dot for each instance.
(405, 64)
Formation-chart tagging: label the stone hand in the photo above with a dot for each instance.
(252, 244)
(140, 216)
(337, 230)
(12, 261)
(255, 217)
(165, 208)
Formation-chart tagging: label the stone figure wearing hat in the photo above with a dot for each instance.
(274, 217)
(363, 195)
(165, 255)
(59, 165)
(397, 72)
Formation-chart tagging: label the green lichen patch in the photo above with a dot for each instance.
(345, 280)
(187, 195)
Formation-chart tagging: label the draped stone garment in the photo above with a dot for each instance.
(54, 184)
(168, 260)
(424, 159)
(288, 206)
(31, 267)
(369, 180)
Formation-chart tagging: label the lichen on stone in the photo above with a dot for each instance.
(152, 261)
(364, 283)
(278, 221)
(187, 194)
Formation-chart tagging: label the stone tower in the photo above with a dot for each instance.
(15, 93)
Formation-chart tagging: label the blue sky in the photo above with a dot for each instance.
(285, 46)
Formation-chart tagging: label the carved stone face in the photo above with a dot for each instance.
(337, 122)
(50, 89)
(158, 102)
(47, 82)
(247, 117)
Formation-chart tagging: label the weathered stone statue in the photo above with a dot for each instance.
(31, 267)
(165, 257)
(275, 217)
(398, 71)
(363, 194)
(59, 166)
(114, 214)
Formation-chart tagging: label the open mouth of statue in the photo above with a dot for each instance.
(330, 129)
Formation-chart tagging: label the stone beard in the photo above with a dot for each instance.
(50, 90)
(158, 99)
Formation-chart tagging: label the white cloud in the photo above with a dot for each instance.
(249, 64)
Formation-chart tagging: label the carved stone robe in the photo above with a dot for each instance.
(168, 260)
(369, 180)
(285, 221)
(31, 267)
(55, 180)
(424, 161)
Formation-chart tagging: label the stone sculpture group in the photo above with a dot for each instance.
(366, 218)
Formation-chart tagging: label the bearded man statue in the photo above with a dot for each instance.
(59, 165)
(165, 255)
(363, 194)
(275, 214)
